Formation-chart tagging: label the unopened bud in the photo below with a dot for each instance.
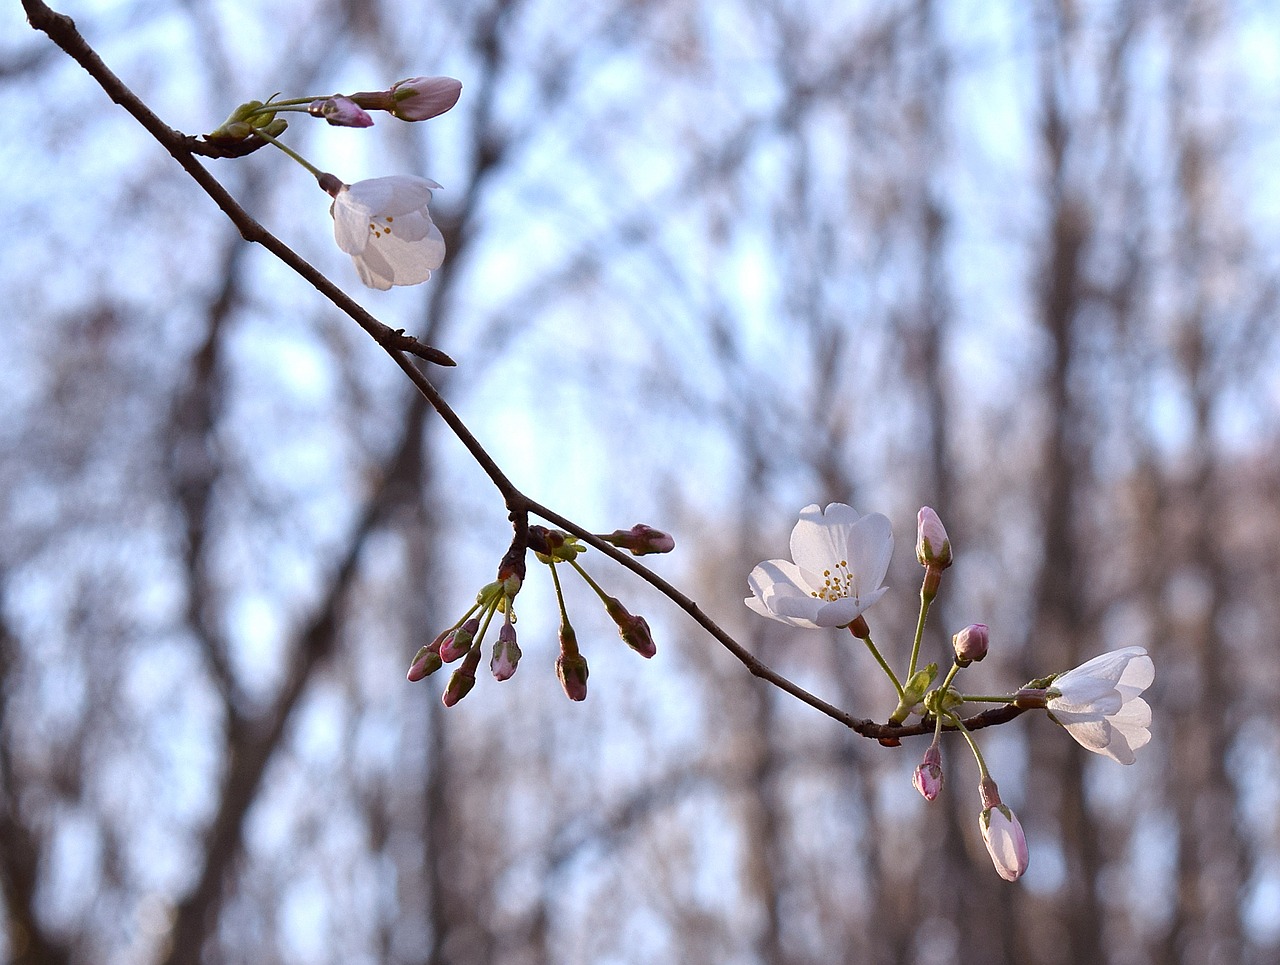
(506, 655)
(425, 663)
(461, 680)
(641, 540)
(633, 629)
(928, 776)
(427, 660)
(933, 548)
(1002, 833)
(571, 666)
(340, 112)
(970, 644)
(457, 643)
(572, 671)
(421, 98)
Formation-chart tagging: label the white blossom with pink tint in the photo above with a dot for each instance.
(385, 226)
(1005, 841)
(1099, 703)
(838, 561)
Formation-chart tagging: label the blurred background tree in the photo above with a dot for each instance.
(708, 262)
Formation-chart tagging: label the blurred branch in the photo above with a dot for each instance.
(20, 847)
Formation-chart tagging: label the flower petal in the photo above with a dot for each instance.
(777, 595)
(870, 549)
(818, 542)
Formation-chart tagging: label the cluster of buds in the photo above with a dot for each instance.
(462, 641)
(554, 547)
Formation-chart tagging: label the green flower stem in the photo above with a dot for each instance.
(289, 151)
(988, 698)
(925, 603)
(983, 773)
(277, 108)
(951, 675)
(875, 652)
(555, 578)
(604, 597)
(290, 103)
(490, 610)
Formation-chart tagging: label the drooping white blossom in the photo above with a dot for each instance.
(386, 228)
(838, 561)
(1099, 703)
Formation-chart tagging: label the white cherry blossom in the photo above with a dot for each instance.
(386, 228)
(1099, 703)
(840, 558)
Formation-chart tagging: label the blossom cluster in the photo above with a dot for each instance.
(839, 558)
(385, 223)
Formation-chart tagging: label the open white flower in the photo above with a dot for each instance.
(1099, 703)
(840, 560)
(384, 225)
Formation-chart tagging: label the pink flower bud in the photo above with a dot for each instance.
(571, 666)
(420, 98)
(932, 546)
(928, 776)
(505, 653)
(461, 680)
(572, 671)
(633, 629)
(427, 660)
(424, 664)
(457, 644)
(970, 644)
(340, 111)
(641, 540)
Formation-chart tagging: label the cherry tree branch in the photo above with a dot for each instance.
(62, 31)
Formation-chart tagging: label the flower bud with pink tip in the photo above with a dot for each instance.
(571, 666)
(640, 540)
(421, 98)
(427, 660)
(1002, 833)
(462, 679)
(634, 630)
(506, 655)
(457, 644)
(971, 643)
(928, 776)
(933, 548)
(340, 111)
